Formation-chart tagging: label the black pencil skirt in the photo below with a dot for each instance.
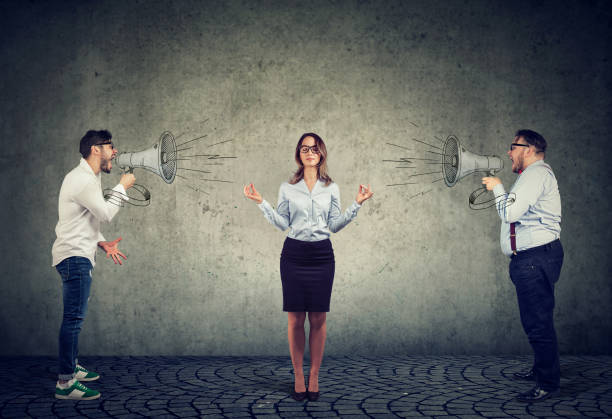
(307, 273)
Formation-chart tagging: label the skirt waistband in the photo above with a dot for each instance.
(319, 244)
(308, 252)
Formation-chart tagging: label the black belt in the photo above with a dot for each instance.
(538, 249)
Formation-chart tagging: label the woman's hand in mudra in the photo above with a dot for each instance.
(251, 193)
(363, 194)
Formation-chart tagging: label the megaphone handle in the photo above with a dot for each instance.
(143, 190)
(128, 169)
(475, 194)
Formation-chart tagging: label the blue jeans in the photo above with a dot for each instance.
(76, 282)
(534, 273)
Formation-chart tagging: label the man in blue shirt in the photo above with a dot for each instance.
(530, 230)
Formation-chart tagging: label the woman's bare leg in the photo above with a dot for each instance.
(316, 340)
(297, 342)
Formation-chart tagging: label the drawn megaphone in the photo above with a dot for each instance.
(457, 163)
(159, 159)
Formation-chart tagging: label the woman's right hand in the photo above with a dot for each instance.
(251, 193)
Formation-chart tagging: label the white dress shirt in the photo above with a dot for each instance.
(536, 209)
(81, 209)
(311, 216)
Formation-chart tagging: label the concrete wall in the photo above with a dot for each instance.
(415, 274)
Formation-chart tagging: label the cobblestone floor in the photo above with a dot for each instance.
(232, 387)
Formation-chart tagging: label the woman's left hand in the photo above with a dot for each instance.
(363, 194)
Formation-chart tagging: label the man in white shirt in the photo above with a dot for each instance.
(81, 210)
(530, 236)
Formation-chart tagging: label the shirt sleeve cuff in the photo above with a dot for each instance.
(264, 205)
(121, 193)
(499, 190)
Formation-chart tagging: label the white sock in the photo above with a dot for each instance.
(65, 385)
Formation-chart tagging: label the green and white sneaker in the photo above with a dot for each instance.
(75, 391)
(82, 374)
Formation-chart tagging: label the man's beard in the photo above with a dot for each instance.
(519, 164)
(104, 165)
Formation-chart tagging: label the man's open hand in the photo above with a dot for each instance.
(112, 250)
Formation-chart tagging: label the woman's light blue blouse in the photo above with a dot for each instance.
(311, 216)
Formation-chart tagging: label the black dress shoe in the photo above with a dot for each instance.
(528, 375)
(536, 394)
(298, 397)
(313, 396)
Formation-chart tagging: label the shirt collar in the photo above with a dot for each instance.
(83, 164)
(303, 182)
(535, 163)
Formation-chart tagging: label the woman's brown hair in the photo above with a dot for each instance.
(322, 166)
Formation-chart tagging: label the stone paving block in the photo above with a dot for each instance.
(375, 410)
(461, 411)
(39, 411)
(584, 406)
(237, 415)
(427, 412)
(232, 405)
(93, 413)
(494, 413)
(298, 408)
(404, 409)
(267, 411)
(328, 414)
(12, 413)
(345, 405)
(117, 412)
(180, 410)
(236, 410)
(310, 408)
(515, 412)
(434, 402)
(345, 412)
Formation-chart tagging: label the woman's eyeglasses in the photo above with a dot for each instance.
(305, 149)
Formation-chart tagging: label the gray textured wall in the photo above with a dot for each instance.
(417, 274)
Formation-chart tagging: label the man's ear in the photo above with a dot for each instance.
(532, 150)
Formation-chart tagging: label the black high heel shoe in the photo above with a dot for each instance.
(298, 397)
(313, 396)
